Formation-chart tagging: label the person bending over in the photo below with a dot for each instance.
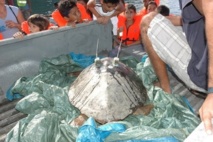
(190, 55)
(105, 10)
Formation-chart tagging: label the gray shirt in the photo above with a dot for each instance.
(193, 26)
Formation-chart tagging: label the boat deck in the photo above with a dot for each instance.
(9, 116)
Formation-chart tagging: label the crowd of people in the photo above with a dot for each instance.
(124, 17)
(191, 61)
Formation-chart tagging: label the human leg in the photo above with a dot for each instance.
(158, 65)
(165, 41)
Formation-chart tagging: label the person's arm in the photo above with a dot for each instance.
(91, 7)
(119, 9)
(206, 110)
(104, 19)
(176, 20)
(12, 24)
(100, 19)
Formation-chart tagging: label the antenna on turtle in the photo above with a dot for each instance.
(97, 48)
(116, 59)
(97, 59)
(119, 48)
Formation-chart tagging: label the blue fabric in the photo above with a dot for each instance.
(82, 60)
(144, 57)
(12, 96)
(164, 139)
(89, 132)
(188, 104)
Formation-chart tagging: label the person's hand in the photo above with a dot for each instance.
(86, 20)
(73, 25)
(53, 27)
(11, 24)
(106, 19)
(206, 113)
(120, 31)
(19, 35)
(103, 19)
(100, 19)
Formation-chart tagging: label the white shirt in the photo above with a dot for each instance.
(114, 19)
(9, 32)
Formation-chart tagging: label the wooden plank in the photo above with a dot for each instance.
(11, 119)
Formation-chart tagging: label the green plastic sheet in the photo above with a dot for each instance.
(49, 111)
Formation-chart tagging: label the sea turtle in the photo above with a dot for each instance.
(108, 90)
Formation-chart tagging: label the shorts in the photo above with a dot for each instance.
(171, 45)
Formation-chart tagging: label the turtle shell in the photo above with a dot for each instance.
(109, 91)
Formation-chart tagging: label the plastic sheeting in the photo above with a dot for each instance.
(90, 132)
(50, 112)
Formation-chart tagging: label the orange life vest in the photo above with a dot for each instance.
(130, 34)
(25, 27)
(1, 36)
(143, 11)
(83, 11)
(157, 1)
(58, 18)
(62, 22)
